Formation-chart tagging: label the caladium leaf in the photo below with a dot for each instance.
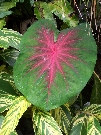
(54, 66)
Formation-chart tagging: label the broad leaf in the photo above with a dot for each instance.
(15, 112)
(45, 123)
(63, 117)
(9, 37)
(96, 91)
(54, 67)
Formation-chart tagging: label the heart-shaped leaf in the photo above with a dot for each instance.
(53, 67)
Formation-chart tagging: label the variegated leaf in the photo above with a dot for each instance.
(7, 84)
(93, 126)
(45, 123)
(15, 112)
(9, 37)
(63, 117)
(94, 109)
(9, 56)
(79, 125)
(5, 101)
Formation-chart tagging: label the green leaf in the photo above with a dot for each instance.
(45, 122)
(7, 5)
(42, 10)
(63, 10)
(7, 84)
(56, 79)
(1, 119)
(5, 13)
(96, 92)
(93, 126)
(9, 37)
(13, 133)
(63, 117)
(15, 112)
(79, 125)
(6, 101)
(60, 8)
(9, 56)
(94, 109)
(2, 23)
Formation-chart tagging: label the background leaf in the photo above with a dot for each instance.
(9, 56)
(96, 91)
(9, 37)
(45, 122)
(2, 23)
(94, 109)
(15, 112)
(60, 8)
(7, 84)
(63, 117)
(93, 126)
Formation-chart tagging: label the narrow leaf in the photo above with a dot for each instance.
(45, 122)
(15, 112)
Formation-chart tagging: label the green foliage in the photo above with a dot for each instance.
(96, 93)
(9, 37)
(60, 8)
(68, 119)
(45, 122)
(86, 121)
(15, 112)
(9, 56)
(62, 116)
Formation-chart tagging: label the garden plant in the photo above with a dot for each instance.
(44, 70)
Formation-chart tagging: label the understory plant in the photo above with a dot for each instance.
(44, 71)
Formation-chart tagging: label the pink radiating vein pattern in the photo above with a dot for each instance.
(49, 56)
